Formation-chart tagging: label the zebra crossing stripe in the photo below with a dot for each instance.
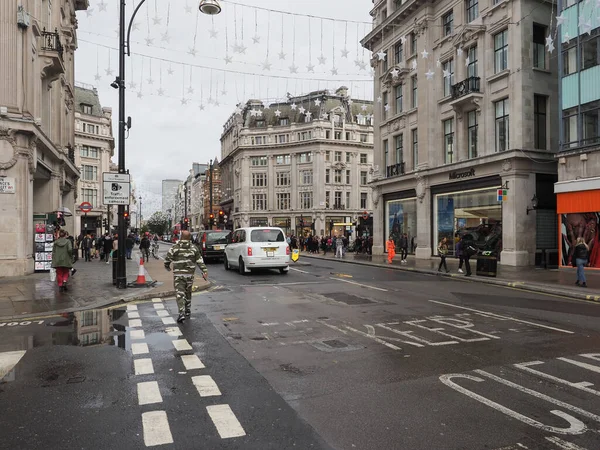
(206, 386)
(8, 360)
(225, 421)
(156, 428)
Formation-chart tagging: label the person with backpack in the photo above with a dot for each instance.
(443, 252)
(467, 250)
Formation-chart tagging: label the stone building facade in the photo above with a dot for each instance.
(303, 165)
(467, 96)
(94, 148)
(37, 156)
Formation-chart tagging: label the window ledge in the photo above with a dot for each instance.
(497, 76)
(445, 99)
(537, 69)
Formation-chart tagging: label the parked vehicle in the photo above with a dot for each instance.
(257, 248)
(212, 243)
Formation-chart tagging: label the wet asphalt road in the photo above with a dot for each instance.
(331, 355)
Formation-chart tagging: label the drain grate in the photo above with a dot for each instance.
(348, 299)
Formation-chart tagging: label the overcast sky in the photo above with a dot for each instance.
(167, 136)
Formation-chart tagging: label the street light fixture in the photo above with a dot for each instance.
(210, 7)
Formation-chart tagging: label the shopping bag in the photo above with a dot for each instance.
(52, 274)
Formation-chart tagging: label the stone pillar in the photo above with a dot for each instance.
(424, 224)
(518, 227)
(378, 221)
(294, 184)
(271, 201)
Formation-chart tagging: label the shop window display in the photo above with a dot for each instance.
(576, 225)
(402, 218)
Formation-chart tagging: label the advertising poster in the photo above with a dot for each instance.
(396, 221)
(445, 218)
(574, 226)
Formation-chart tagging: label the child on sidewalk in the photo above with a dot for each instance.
(391, 250)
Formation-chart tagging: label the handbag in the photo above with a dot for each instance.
(52, 274)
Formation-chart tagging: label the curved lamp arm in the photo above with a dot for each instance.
(131, 24)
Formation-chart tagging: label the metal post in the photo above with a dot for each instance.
(210, 193)
(108, 219)
(121, 268)
(185, 205)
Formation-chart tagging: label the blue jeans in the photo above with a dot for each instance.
(580, 271)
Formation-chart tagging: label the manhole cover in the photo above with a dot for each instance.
(348, 299)
(334, 343)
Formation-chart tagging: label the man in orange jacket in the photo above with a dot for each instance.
(391, 249)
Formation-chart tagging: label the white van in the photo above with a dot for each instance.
(257, 248)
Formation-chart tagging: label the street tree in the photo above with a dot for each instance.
(158, 223)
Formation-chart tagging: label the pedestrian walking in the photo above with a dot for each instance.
(107, 246)
(184, 256)
(339, 247)
(391, 249)
(458, 252)
(129, 242)
(145, 247)
(62, 259)
(580, 257)
(403, 248)
(443, 252)
(86, 246)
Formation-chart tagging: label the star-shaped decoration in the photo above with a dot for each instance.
(334, 71)
(310, 68)
(317, 102)
(224, 93)
(192, 51)
(357, 62)
(235, 47)
(165, 37)
(170, 71)
(266, 65)
(369, 117)
(258, 112)
(551, 47)
(294, 106)
(301, 110)
(386, 107)
(429, 74)
(403, 40)
(253, 113)
(281, 55)
(188, 9)
(102, 6)
(379, 99)
(201, 106)
(266, 107)
(364, 107)
(350, 101)
(150, 81)
(242, 49)
(322, 60)
(160, 92)
(567, 37)
(395, 72)
(381, 55)
(293, 68)
(238, 111)
(139, 94)
(97, 77)
(308, 115)
(549, 40)
(132, 85)
(585, 26)
(560, 19)
(359, 117)
(218, 104)
(467, 61)
(345, 52)
(228, 59)
(135, 26)
(424, 54)
(184, 101)
(109, 71)
(459, 51)
(277, 113)
(210, 100)
(89, 12)
(414, 64)
(324, 116)
(156, 20)
(362, 65)
(190, 90)
(446, 73)
(256, 39)
(213, 33)
(438, 63)
(149, 41)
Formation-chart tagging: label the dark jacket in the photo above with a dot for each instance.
(458, 249)
(145, 243)
(129, 243)
(86, 242)
(403, 242)
(62, 253)
(107, 243)
(581, 252)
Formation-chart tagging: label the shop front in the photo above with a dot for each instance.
(333, 225)
(259, 221)
(401, 218)
(578, 210)
(285, 223)
(305, 226)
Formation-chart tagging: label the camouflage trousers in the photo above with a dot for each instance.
(183, 291)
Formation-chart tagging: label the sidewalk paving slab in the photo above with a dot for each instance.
(560, 282)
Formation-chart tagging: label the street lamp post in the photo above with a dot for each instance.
(210, 192)
(209, 7)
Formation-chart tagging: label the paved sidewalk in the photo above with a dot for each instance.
(558, 282)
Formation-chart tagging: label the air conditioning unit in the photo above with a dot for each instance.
(23, 19)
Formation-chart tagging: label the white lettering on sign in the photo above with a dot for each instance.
(7, 185)
(116, 188)
(25, 322)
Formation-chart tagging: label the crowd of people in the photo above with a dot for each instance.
(335, 244)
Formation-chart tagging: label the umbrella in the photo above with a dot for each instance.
(65, 211)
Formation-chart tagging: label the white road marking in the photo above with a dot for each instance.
(132, 307)
(409, 335)
(501, 317)
(582, 385)
(563, 444)
(134, 323)
(133, 315)
(157, 300)
(168, 321)
(148, 393)
(159, 306)
(270, 324)
(359, 284)
(333, 327)
(173, 331)
(371, 331)
(281, 284)
(225, 421)
(575, 425)
(139, 348)
(301, 321)
(594, 356)
(8, 360)
(298, 270)
(143, 366)
(162, 313)
(181, 345)
(376, 339)
(192, 362)
(156, 428)
(137, 334)
(581, 364)
(415, 323)
(461, 324)
(206, 386)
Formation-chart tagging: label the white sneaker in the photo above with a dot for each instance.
(460, 271)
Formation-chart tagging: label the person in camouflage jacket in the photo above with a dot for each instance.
(184, 256)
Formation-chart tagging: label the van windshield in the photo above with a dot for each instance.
(267, 236)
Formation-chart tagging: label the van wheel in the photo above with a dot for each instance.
(283, 271)
(226, 263)
(242, 266)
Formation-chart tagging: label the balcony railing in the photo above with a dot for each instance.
(338, 206)
(466, 86)
(71, 154)
(51, 42)
(395, 170)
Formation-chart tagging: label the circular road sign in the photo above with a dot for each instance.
(365, 215)
(86, 207)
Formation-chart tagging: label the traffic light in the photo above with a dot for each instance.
(126, 218)
(211, 219)
(186, 223)
(221, 216)
(105, 223)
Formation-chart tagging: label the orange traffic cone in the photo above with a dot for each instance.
(141, 278)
